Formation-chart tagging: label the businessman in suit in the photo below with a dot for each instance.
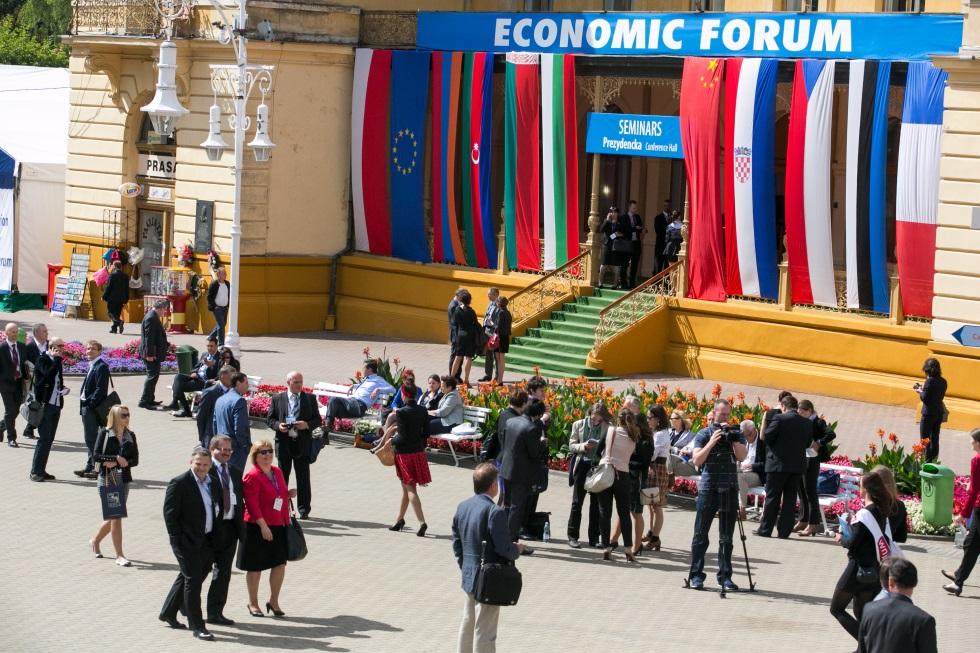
(478, 521)
(451, 312)
(752, 470)
(95, 388)
(210, 396)
(293, 415)
(116, 295)
(37, 346)
(230, 528)
(190, 507)
(13, 371)
(660, 222)
(231, 419)
(153, 351)
(524, 447)
(787, 436)
(636, 233)
(894, 623)
(206, 371)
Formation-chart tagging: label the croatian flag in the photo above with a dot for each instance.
(917, 186)
(750, 200)
(808, 241)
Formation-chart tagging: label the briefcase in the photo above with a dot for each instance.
(498, 584)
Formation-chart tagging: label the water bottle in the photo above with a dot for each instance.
(546, 536)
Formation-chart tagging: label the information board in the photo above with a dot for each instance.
(58, 305)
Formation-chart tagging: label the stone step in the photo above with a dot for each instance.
(551, 343)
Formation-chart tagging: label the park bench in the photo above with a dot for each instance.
(474, 419)
(850, 483)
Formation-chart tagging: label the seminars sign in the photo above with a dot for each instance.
(779, 35)
(631, 135)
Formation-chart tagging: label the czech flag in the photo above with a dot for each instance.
(808, 241)
(917, 186)
(750, 199)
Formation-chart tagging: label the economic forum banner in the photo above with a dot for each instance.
(788, 35)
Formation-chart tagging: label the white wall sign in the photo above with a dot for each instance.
(160, 166)
(6, 238)
(160, 193)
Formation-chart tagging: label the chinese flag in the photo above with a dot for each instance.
(700, 93)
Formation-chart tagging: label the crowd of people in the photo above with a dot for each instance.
(623, 235)
(468, 338)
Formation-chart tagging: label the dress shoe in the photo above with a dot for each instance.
(147, 406)
(255, 612)
(953, 588)
(949, 575)
(528, 551)
(221, 620)
(123, 562)
(304, 514)
(180, 413)
(728, 585)
(483, 379)
(607, 553)
(812, 529)
(48, 477)
(697, 583)
(397, 526)
(203, 634)
(171, 406)
(81, 473)
(37, 478)
(270, 609)
(12, 443)
(156, 403)
(30, 435)
(172, 622)
(421, 531)
(761, 533)
(574, 543)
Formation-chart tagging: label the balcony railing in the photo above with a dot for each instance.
(116, 17)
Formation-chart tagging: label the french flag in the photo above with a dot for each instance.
(750, 200)
(808, 241)
(917, 186)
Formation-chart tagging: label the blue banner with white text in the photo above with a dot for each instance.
(634, 135)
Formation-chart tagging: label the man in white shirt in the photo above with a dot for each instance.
(752, 470)
(227, 484)
(362, 396)
(219, 294)
(37, 346)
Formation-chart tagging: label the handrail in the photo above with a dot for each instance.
(530, 300)
(636, 303)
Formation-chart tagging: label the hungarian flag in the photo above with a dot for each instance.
(808, 243)
(867, 142)
(750, 199)
(447, 71)
(369, 150)
(700, 90)
(522, 161)
(481, 243)
(917, 193)
(409, 100)
(559, 146)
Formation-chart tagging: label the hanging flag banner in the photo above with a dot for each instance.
(808, 242)
(6, 238)
(559, 167)
(917, 186)
(447, 70)
(867, 136)
(634, 135)
(776, 35)
(369, 150)
(481, 242)
(750, 199)
(522, 161)
(409, 100)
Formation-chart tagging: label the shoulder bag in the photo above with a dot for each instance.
(622, 246)
(32, 410)
(497, 583)
(111, 399)
(295, 540)
(386, 455)
(602, 475)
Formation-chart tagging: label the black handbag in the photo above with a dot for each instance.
(32, 410)
(868, 575)
(498, 583)
(622, 246)
(111, 399)
(295, 540)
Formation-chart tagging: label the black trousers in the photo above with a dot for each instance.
(185, 593)
(11, 407)
(579, 497)
(809, 501)
(781, 489)
(46, 431)
(114, 309)
(971, 549)
(288, 458)
(150, 385)
(224, 555)
(90, 427)
(184, 383)
(620, 492)
(489, 358)
(634, 262)
(516, 499)
(929, 427)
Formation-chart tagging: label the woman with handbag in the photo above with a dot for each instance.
(502, 346)
(620, 444)
(658, 476)
(860, 582)
(407, 438)
(267, 499)
(639, 464)
(116, 452)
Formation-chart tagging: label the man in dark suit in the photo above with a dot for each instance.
(13, 371)
(219, 296)
(894, 623)
(95, 388)
(153, 351)
(293, 415)
(478, 521)
(37, 346)
(787, 436)
(636, 233)
(190, 507)
(523, 448)
(210, 396)
(50, 391)
(116, 295)
(207, 370)
(752, 470)
(451, 312)
(231, 418)
(231, 527)
(660, 222)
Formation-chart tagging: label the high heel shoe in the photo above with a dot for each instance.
(123, 562)
(630, 556)
(397, 526)
(421, 530)
(255, 612)
(649, 536)
(799, 526)
(95, 549)
(653, 544)
(269, 608)
(607, 553)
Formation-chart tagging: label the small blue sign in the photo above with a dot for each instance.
(968, 335)
(634, 135)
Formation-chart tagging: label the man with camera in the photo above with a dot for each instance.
(717, 451)
(787, 436)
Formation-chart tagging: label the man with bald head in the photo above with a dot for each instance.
(13, 371)
(293, 415)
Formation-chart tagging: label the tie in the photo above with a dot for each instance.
(16, 360)
(225, 490)
(294, 405)
(673, 437)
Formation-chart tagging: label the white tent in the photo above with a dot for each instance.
(33, 154)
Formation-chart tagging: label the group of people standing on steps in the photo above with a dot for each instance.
(623, 235)
(468, 338)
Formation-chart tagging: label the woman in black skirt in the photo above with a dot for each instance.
(267, 498)
(467, 332)
(116, 453)
(504, 322)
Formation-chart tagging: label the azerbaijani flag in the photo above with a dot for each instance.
(522, 161)
(559, 147)
(867, 140)
(446, 75)
(369, 150)
(808, 241)
(481, 243)
(917, 193)
(750, 200)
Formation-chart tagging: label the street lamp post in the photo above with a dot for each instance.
(164, 110)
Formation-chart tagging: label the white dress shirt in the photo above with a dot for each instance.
(231, 491)
(204, 487)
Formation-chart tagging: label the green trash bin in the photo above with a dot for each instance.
(186, 356)
(937, 494)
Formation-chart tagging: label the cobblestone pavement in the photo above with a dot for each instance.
(363, 588)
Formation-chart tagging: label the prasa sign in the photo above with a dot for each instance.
(160, 166)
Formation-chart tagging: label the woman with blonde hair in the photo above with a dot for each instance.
(620, 443)
(116, 453)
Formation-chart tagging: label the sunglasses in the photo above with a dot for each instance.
(126, 415)
(265, 452)
(675, 417)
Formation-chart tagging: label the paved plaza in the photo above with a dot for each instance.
(363, 588)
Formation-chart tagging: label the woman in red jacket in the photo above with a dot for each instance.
(971, 511)
(266, 517)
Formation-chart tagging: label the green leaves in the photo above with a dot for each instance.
(19, 48)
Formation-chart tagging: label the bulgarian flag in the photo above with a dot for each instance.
(559, 147)
(522, 161)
